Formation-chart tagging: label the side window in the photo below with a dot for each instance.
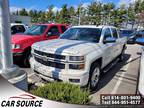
(107, 33)
(54, 31)
(63, 28)
(114, 32)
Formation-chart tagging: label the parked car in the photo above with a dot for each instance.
(141, 75)
(21, 43)
(130, 34)
(79, 55)
(17, 28)
(140, 33)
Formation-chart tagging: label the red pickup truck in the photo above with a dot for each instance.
(21, 43)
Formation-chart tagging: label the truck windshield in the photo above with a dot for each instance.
(84, 34)
(36, 30)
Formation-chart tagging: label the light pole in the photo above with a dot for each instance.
(79, 17)
(9, 71)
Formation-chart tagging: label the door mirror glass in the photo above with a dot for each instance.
(109, 40)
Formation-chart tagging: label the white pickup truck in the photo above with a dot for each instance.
(79, 55)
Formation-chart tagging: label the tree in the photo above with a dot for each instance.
(57, 17)
(50, 14)
(23, 12)
(94, 13)
(64, 15)
(72, 15)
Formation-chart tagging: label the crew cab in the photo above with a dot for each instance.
(79, 55)
(21, 43)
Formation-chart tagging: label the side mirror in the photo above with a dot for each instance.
(109, 40)
(139, 41)
(49, 34)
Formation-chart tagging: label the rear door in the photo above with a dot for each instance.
(53, 32)
(117, 45)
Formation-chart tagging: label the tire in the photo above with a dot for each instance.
(26, 58)
(121, 57)
(94, 76)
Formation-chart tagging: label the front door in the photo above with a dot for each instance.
(53, 33)
(107, 48)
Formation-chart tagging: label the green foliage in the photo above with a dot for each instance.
(23, 12)
(63, 92)
(95, 13)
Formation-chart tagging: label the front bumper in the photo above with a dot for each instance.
(50, 74)
(17, 56)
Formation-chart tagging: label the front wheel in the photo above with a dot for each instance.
(94, 76)
(26, 59)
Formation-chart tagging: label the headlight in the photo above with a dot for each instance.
(76, 66)
(16, 46)
(76, 58)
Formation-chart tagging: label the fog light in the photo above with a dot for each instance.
(74, 80)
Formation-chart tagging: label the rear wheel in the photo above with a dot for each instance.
(94, 76)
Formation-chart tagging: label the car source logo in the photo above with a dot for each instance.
(22, 101)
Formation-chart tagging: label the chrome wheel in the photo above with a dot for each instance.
(95, 77)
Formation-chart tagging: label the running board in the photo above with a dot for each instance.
(108, 67)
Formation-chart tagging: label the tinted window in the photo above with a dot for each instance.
(84, 34)
(107, 33)
(114, 32)
(63, 28)
(36, 30)
(54, 31)
(127, 32)
(17, 29)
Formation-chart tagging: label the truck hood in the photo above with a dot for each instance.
(18, 38)
(69, 47)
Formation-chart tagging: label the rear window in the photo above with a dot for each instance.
(63, 28)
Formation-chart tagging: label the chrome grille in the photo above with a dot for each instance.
(55, 56)
(50, 63)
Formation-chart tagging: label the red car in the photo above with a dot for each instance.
(21, 43)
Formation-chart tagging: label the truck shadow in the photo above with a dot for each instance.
(20, 64)
(108, 76)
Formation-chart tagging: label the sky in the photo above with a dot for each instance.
(43, 4)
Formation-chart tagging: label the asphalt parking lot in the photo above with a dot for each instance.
(121, 79)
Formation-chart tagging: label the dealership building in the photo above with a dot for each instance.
(20, 19)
